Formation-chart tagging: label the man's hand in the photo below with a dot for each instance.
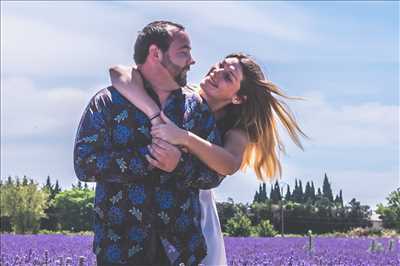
(166, 156)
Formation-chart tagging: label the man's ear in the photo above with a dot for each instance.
(155, 53)
(239, 99)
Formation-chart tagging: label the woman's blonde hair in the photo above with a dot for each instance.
(257, 117)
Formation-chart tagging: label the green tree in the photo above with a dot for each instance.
(24, 205)
(50, 222)
(260, 211)
(75, 208)
(265, 228)
(239, 225)
(226, 210)
(390, 214)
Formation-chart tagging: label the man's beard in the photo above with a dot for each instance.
(178, 73)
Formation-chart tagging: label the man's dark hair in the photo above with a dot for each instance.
(154, 33)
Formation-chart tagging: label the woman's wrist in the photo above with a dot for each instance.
(156, 121)
(151, 110)
(186, 137)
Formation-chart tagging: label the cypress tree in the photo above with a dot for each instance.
(255, 199)
(272, 195)
(288, 196)
(48, 184)
(307, 192)
(319, 194)
(326, 189)
(79, 186)
(57, 188)
(264, 187)
(49, 187)
(277, 191)
(301, 194)
(312, 191)
(295, 194)
(24, 181)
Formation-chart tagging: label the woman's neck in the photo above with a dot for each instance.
(216, 106)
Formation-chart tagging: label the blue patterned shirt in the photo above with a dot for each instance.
(135, 202)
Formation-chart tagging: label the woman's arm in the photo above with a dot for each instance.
(224, 160)
(129, 83)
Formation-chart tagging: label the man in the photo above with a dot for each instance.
(147, 215)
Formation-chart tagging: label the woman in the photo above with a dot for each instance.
(246, 110)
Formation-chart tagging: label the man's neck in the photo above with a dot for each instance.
(162, 86)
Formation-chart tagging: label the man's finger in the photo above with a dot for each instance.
(156, 152)
(156, 127)
(165, 145)
(153, 162)
(158, 143)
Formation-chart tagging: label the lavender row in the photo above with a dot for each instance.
(77, 250)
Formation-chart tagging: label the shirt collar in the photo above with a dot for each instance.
(149, 89)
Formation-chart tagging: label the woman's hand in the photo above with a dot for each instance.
(169, 132)
(129, 82)
(125, 76)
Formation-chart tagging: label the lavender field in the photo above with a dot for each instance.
(76, 250)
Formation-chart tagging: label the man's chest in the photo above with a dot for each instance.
(129, 126)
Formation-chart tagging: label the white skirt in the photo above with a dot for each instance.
(211, 230)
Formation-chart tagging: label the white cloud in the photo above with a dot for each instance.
(65, 39)
(250, 18)
(38, 127)
(31, 47)
(28, 111)
(369, 124)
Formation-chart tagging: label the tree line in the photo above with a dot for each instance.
(27, 207)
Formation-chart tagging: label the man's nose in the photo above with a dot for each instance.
(192, 61)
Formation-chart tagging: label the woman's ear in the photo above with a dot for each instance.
(239, 99)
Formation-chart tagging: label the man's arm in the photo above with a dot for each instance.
(95, 158)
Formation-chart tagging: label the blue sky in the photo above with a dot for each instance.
(343, 57)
